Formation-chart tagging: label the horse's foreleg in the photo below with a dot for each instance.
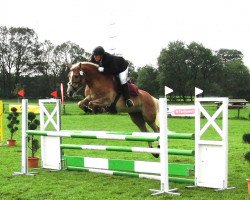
(101, 102)
(83, 104)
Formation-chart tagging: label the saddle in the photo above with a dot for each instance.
(133, 89)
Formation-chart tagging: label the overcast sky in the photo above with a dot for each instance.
(137, 29)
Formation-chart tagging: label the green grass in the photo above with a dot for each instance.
(83, 185)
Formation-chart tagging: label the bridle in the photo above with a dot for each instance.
(75, 85)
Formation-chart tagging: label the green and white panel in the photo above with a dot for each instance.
(175, 169)
(147, 167)
(114, 164)
(99, 163)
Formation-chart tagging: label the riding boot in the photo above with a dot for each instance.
(125, 93)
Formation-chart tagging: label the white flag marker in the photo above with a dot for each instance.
(168, 90)
(198, 91)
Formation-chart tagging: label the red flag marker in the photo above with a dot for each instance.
(54, 94)
(21, 93)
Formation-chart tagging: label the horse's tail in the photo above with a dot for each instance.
(157, 120)
(156, 102)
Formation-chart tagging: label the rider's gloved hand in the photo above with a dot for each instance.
(100, 69)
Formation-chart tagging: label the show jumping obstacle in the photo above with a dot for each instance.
(211, 157)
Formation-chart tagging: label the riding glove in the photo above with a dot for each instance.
(100, 69)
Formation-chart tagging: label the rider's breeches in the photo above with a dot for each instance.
(123, 76)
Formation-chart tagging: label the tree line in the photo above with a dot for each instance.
(40, 67)
(183, 67)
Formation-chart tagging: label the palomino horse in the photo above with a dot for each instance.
(101, 91)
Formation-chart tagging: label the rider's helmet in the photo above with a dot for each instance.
(99, 51)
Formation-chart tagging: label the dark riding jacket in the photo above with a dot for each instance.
(112, 64)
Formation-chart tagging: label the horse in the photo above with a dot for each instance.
(102, 90)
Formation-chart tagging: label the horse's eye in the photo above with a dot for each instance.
(76, 76)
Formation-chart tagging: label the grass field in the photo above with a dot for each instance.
(82, 185)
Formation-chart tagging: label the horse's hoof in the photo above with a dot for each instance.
(80, 104)
(99, 110)
(156, 155)
(87, 110)
(90, 104)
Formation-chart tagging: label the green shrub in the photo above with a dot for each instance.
(33, 123)
(13, 122)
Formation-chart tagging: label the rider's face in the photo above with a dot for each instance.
(98, 58)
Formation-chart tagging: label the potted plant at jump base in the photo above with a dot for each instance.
(246, 139)
(12, 125)
(34, 145)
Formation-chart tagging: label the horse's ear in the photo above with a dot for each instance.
(69, 65)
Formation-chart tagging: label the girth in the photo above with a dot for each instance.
(112, 108)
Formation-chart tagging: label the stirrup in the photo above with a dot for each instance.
(129, 103)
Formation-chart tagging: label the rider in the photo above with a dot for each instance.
(114, 65)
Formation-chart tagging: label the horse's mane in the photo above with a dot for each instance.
(84, 63)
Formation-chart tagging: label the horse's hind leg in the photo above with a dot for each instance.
(154, 127)
(138, 119)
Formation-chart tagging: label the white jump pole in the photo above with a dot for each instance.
(164, 147)
(24, 156)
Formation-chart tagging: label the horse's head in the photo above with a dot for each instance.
(78, 75)
(76, 79)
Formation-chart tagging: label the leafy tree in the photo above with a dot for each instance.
(173, 69)
(227, 55)
(131, 72)
(16, 54)
(22, 43)
(42, 60)
(3, 59)
(236, 80)
(205, 68)
(147, 80)
(40, 70)
(64, 54)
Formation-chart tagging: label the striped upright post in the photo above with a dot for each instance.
(164, 147)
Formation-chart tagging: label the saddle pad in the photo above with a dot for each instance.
(133, 89)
